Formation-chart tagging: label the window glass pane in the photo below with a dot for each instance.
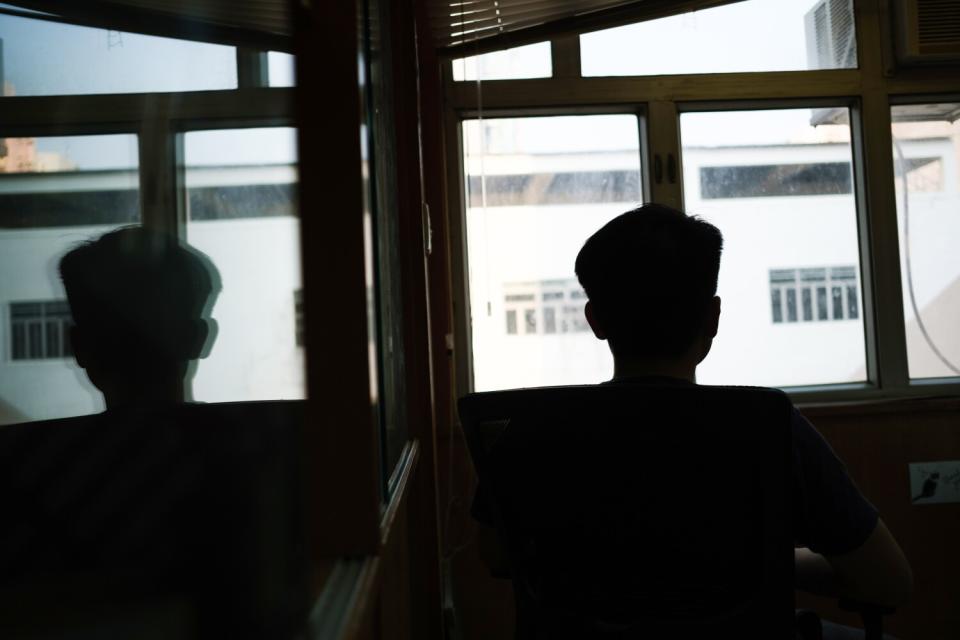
(53, 347)
(35, 340)
(926, 161)
(384, 286)
(48, 58)
(537, 188)
(243, 215)
(55, 193)
(529, 61)
(756, 35)
(280, 69)
(771, 181)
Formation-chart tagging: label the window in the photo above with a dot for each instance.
(756, 35)
(55, 193)
(572, 187)
(280, 69)
(244, 201)
(48, 58)
(58, 191)
(559, 302)
(529, 61)
(537, 188)
(755, 118)
(767, 181)
(40, 330)
(813, 286)
(926, 152)
(242, 213)
(801, 212)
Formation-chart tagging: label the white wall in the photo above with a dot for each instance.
(255, 356)
(39, 389)
(518, 244)
(531, 243)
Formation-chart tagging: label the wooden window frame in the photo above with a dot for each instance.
(868, 91)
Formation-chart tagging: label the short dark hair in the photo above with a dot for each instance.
(136, 293)
(650, 274)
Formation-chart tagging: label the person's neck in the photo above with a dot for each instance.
(158, 393)
(625, 368)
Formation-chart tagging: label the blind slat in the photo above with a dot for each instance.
(542, 9)
(479, 26)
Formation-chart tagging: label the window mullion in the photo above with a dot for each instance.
(252, 69)
(663, 143)
(565, 56)
(879, 244)
(162, 194)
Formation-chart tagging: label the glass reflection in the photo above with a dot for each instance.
(141, 304)
(55, 193)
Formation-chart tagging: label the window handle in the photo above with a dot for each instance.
(657, 169)
(671, 169)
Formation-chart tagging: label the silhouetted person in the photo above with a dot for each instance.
(650, 276)
(140, 302)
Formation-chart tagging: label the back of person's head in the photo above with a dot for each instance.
(650, 275)
(138, 299)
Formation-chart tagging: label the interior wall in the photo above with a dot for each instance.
(877, 442)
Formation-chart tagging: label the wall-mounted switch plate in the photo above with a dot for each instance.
(935, 482)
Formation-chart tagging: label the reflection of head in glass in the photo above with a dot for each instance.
(140, 301)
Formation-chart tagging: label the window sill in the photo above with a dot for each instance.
(906, 405)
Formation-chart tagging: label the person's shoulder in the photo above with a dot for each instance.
(805, 434)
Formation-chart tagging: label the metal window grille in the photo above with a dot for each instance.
(814, 294)
(40, 330)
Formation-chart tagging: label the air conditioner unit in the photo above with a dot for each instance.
(831, 44)
(927, 31)
(831, 35)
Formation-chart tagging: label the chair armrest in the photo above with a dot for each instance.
(807, 625)
(870, 614)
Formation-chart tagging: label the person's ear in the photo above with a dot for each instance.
(592, 321)
(713, 317)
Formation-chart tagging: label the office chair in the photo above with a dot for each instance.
(641, 510)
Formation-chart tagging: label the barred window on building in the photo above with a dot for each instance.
(40, 330)
(816, 294)
(544, 307)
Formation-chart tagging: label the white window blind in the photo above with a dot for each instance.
(468, 27)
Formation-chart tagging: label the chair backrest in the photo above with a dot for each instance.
(186, 516)
(640, 509)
